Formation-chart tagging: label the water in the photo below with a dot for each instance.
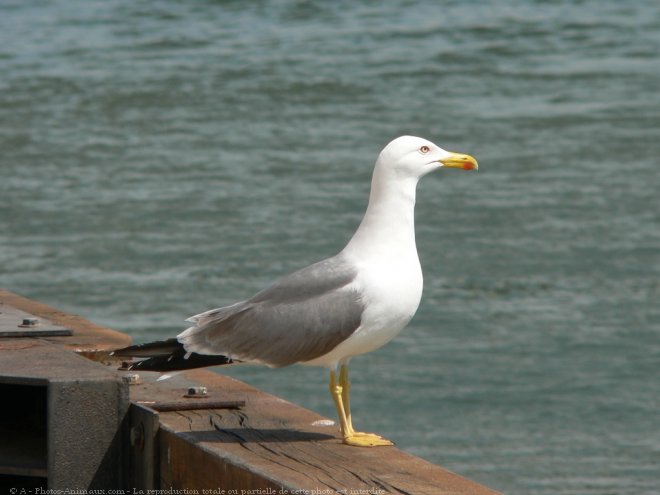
(162, 158)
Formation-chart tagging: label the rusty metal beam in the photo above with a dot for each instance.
(87, 336)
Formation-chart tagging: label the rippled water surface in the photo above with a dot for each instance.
(161, 158)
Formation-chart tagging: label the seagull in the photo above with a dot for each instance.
(333, 310)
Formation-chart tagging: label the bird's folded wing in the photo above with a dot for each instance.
(299, 318)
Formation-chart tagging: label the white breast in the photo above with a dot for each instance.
(391, 292)
(389, 277)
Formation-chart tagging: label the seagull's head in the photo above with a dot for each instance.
(414, 157)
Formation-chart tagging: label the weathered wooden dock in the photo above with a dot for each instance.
(72, 420)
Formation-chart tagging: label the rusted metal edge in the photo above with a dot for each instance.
(192, 405)
(37, 333)
(87, 336)
(16, 323)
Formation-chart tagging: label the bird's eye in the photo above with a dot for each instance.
(424, 149)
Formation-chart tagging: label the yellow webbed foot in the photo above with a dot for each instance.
(360, 439)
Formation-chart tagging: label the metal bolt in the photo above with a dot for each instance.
(196, 392)
(131, 378)
(29, 322)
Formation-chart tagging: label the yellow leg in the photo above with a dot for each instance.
(345, 395)
(341, 397)
(335, 391)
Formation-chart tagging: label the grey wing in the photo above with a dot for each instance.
(299, 318)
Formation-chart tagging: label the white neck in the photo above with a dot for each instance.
(388, 227)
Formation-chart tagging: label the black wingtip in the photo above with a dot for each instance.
(150, 349)
(168, 355)
(178, 363)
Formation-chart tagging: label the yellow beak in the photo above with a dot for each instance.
(460, 160)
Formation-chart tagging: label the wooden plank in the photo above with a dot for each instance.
(271, 443)
(184, 465)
